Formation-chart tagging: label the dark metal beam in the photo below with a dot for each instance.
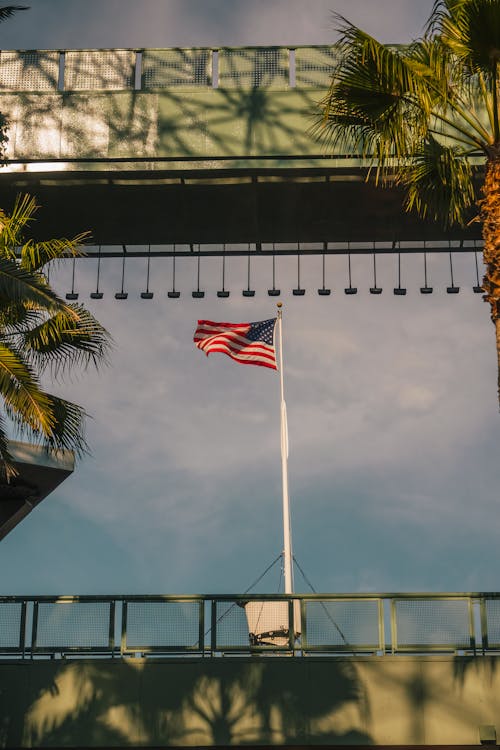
(229, 206)
(217, 252)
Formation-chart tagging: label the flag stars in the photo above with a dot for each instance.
(262, 331)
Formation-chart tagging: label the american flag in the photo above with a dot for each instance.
(247, 343)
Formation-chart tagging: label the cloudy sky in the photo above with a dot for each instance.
(393, 416)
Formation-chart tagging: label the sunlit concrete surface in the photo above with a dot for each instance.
(399, 700)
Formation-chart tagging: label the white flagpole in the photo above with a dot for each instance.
(287, 529)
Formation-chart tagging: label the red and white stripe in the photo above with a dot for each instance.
(230, 339)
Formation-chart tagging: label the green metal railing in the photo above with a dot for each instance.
(208, 626)
(172, 108)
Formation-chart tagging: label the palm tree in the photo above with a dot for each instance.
(428, 114)
(39, 332)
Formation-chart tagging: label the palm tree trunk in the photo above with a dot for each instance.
(497, 331)
(490, 215)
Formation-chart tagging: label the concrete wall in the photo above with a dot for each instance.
(437, 700)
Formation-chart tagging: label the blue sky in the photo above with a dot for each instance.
(392, 407)
(55, 24)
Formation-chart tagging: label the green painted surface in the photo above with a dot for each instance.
(234, 122)
(171, 123)
(263, 104)
(434, 700)
(239, 125)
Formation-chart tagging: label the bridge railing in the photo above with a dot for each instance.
(156, 69)
(300, 624)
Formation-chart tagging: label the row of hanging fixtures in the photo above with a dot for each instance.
(298, 291)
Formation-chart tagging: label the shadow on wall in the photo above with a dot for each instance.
(177, 113)
(212, 702)
(169, 123)
(463, 666)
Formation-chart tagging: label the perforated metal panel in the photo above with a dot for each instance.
(99, 69)
(73, 625)
(29, 71)
(313, 66)
(12, 617)
(254, 67)
(343, 625)
(157, 626)
(163, 68)
(492, 615)
(432, 624)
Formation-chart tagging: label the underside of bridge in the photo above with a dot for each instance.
(137, 207)
(39, 472)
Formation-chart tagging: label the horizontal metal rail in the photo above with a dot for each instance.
(258, 250)
(211, 625)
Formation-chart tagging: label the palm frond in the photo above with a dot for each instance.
(7, 468)
(438, 183)
(12, 225)
(35, 255)
(65, 341)
(18, 285)
(8, 11)
(37, 330)
(68, 432)
(433, 61)
(441, 10)
(32, 254)
(471, 29)
(16, 318)
(21, 392)
(378, 102)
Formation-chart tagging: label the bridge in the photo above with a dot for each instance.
(358, 669)
(194, 148)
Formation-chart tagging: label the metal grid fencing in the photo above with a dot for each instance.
(68, 625)
(229, 626)
(162, 626)
(252, 67)
(35, 70)
(34, 627)
(104, 70)
(490, 622)
(12, 626)
(164, 68)
(350, 625)
(432, 624)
